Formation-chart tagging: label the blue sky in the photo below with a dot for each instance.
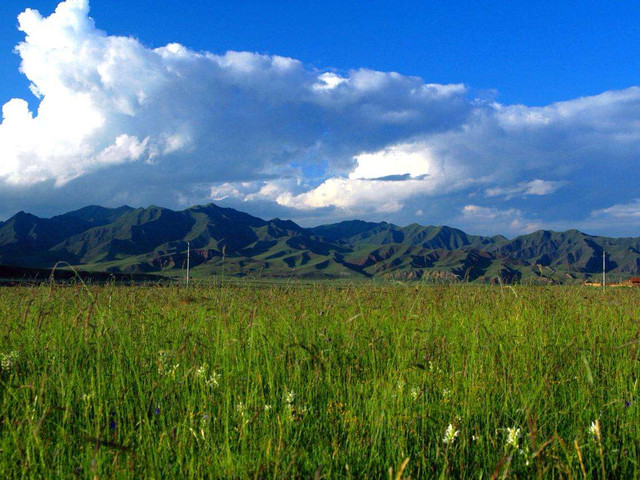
(468, 132)
(529, 52)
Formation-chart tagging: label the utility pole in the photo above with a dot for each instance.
(188, 258)
(604, 281)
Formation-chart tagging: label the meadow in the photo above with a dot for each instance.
(319, 381)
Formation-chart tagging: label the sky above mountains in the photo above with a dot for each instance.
(492, 119)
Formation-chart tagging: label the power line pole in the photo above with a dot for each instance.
(188, 258)
(604, 281)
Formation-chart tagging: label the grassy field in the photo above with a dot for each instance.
(295, 381)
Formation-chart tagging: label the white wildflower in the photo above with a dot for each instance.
(8, 360)
(163, 362)
(513, 436)
(267, 407)
(415, 393)
(450, 435)
(213, 380)
(434, 368)
(164, 365)
(241, 408)
(594, 429)
(446, 394)
(289, 397)
(202, 371)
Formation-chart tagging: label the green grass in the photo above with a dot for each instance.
(295, 381)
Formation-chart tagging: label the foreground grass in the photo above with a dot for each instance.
(298, 381)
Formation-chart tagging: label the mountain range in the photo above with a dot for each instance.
(224, 241)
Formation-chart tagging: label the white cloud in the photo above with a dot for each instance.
(116, 119)
(381, 182)
(620, 211)
(533, 187)
(125, 148)
(491, 220)
(413, 160)
(224, 191)
(217, 117)
(619, 219)
(328, 81)
(355, 195)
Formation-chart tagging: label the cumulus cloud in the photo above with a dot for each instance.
(348, 194)
(217, 117)
(580, 144)
(115, 121)
(380, 181)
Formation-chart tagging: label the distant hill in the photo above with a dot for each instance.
(225, 241)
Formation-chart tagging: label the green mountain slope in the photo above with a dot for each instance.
(230, 242)
(575, 251)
